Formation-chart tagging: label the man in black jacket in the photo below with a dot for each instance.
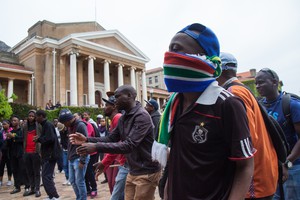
(50, 150)
(15, 149)
(133, 137)
(152, 108)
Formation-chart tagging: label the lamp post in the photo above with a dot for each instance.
(151, 93)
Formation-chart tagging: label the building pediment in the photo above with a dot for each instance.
(110, 42)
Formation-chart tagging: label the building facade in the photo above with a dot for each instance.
(77, 63)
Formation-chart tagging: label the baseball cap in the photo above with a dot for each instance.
(205, 37)
(227, 58)
(110, 93)
(111, 100)
(153, 103)
(99, 116)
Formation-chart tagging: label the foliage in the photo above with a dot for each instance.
(5, 108)
(93, 111)
(22, 110)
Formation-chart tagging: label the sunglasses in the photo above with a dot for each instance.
(271, 72)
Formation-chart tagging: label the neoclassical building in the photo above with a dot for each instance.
(76, 64)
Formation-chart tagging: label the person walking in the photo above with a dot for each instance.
(32, 153)
(50, 152)
(267, 82)
(77, 163)
(211, 153)
(133, 137)
(15, 149)
(264, 180)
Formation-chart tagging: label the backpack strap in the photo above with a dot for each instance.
(286, 100)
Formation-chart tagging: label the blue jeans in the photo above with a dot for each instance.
(291, 187)
(119, 187)
(76, 177)
(66, 164)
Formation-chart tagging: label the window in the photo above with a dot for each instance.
(156, 79)
(150, 80)
(68, 97)
(84, 99)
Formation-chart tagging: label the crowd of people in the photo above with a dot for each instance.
(210, 142)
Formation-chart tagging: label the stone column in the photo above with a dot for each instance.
(132, 77)
(91, 80)
(29, 93)
(73, 79)
(54, 77)
(144, 87)
(120, 74)
(10, 89)
(106, 77)
(138, 85)
(32, 90)
(158, 101)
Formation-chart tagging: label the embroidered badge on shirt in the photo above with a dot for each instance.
(200, 133)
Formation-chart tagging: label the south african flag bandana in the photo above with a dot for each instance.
(190, 73)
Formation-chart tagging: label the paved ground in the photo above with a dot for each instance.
(65, 192)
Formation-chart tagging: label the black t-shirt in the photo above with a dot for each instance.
(205, 141)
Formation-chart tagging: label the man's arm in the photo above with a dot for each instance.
(242, 178)
(140, 128)
(49, 135)
(295, 153)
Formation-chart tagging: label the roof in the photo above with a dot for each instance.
(14, 68)
(157, 69)
(245, 76)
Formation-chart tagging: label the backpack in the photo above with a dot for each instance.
(274, 129)
(96, 130)
(286, 101)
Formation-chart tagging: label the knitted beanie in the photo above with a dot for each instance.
(65, 115)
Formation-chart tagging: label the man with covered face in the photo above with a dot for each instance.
(211, 154)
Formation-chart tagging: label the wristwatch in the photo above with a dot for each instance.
(288, 164)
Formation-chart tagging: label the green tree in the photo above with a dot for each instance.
(5, 108)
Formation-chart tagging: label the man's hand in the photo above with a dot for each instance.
(35, 138)
(77, 138)
(99, 168)
(9, 135)
(285, 173)
(86, 148)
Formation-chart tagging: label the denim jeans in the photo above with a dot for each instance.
(66, 164)
(118, 191)
(291, 187)
(76, 177)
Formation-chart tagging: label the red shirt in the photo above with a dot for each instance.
(109, 158)
(30, 144)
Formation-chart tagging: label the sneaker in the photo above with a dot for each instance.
(66, 182)
(16, 190)
(26, 192)
(93, 194)
(54, 198)
(9, 183)
(69, 183)
(37, 193)
(47, 198)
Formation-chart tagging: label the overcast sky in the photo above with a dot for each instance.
(260, 33)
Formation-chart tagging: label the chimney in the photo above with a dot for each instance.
(253, 72)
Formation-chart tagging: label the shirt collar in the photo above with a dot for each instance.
(230, 81)
(210, 94)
